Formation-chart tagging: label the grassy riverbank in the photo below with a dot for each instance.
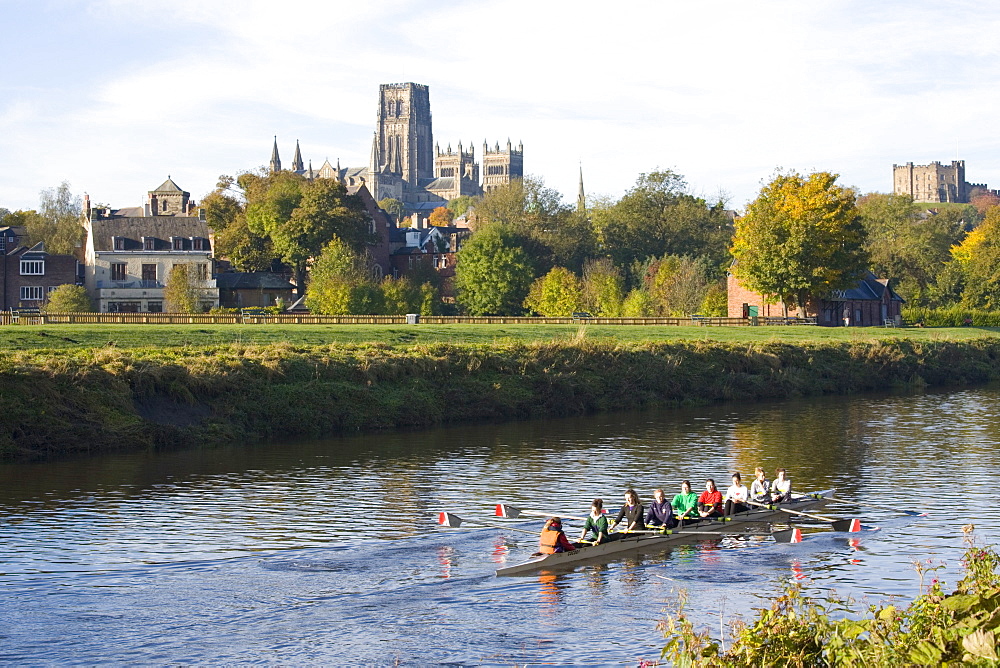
(58, 402)
(68, 337)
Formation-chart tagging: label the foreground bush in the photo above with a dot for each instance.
(797, 630)
(955, 316)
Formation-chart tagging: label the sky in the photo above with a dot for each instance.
(113, 96)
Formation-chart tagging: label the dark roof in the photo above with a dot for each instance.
(168, 186)
(442, 183)
(868, 288)
(135, 228)
(260, 280)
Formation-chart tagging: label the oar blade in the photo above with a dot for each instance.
(449, 520)
(508, 511)
(850, 526)
(787, 536)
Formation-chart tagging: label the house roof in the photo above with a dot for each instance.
(168, 186)
(868, 288)
(442, 183)
(158, 227)
(260, 280)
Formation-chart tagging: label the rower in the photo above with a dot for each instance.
(760, 488)
(596, 523)
(632, 511)
(781, 487)
(685, 504)
(736, 496)
(552, 539)
(660, 513)
(710, 501)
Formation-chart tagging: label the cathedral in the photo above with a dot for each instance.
(406, 164)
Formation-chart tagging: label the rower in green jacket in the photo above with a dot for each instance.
(685, 504)
(596, 523)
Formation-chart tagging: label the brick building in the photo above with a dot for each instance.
(868, 303)
(28, 275)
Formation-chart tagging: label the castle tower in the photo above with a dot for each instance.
(500, 166)
(404, 140)
(275, 160)
(168, 200)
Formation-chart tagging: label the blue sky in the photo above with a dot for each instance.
(114, 95)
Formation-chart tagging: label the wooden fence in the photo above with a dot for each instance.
(7, 318)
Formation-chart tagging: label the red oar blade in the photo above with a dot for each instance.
(787, 536)
(507, 511)
(449, 520)
(850, 526)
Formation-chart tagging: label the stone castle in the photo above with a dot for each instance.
(405, 162)
(935, 182)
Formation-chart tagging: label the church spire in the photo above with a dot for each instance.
(275, 160)
(297, 165)
(373, 158)
(581, 198)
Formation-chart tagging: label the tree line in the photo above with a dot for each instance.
(658, 250)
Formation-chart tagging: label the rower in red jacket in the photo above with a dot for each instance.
(552, 538)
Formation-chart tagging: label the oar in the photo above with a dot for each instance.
(785, 536)
(914, 513)
(454, 521)
(838, 525)
(510, 512)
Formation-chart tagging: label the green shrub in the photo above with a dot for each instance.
(955, 316)
(798, 630)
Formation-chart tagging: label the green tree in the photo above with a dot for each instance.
(638, 304)
(716, 301)
(603, 288)
(301, 216)
(557, 293)
(392, 206)
(225, 212)
(493, 272)
(551, 232)
(678, 284)
(978, 259)
(336, 276)
(57, 223)
(400, 296)
(657, 217)
(68, 298)
(462, 204)
(801, 238)
(180, 293)
(906, 245)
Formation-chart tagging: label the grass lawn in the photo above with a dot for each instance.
(35, 337)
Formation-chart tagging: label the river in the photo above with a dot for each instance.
(327, 552)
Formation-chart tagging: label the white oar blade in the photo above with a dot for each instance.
(449, 520)
(507, 511)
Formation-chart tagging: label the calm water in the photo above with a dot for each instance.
(328, 553)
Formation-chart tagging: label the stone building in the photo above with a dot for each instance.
(406, 164)
(935, 182)
(130, 252)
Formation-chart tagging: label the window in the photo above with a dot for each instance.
(202, 272)
(51, 288)
(197, 243)
(3, 243)
(118, 271)
(178, 243)
(123, 307)
(32, 267)
(31, 293)
(148, 275)
(148, 243)
(155, 307)
(119, 243)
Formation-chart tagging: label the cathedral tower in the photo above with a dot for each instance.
(501, 166)
(404, 142)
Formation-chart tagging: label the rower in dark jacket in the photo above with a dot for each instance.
(660, 513)
(632, 512)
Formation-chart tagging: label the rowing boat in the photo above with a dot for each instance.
(637, 542)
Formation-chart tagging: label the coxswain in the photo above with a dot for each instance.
(552, 539)
(781, 487)
(660, 513)
(710, 501)
(632, 512)
(596, 523)
(736, 496)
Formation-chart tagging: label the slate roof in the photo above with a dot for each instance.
(168, 186)
(135, 228)
(868, 288)
(442, 183)
(260, 280)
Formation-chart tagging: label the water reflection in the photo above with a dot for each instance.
(254, 537)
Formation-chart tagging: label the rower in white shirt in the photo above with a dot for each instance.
(736, 496)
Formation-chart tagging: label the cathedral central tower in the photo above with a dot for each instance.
(404, 142)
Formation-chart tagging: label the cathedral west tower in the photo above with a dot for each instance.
(404, 141)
